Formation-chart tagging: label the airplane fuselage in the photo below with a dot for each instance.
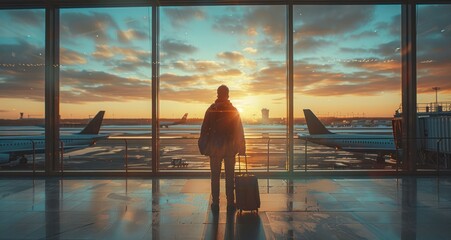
(13, 147)
(381, 144)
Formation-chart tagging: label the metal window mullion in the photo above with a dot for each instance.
(290, 87)
(155, 88)
(409, 84)
(51, 89)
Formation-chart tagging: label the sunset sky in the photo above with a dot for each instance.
(346, 60)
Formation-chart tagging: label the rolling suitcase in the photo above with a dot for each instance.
(246, 189)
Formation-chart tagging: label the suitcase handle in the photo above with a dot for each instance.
(239, 161)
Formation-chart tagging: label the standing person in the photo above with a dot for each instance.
(221, 138)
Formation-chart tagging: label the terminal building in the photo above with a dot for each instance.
(102, 104)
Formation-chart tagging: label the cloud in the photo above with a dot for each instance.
(23, 82)
(91, 25)
(131, 34)
(197, 66)
(233, 56)
(22, 74)
(375, 65)
(372, 79)
(313, 24)
(434, 46)
(100, 27)
(250, 50)
(393, 26)
(231, 24)
(120, 66)
(96, 86)
(22, 65)
(173, 86)
(271, 20)
(140, 22)
(69, 57)
(122, 59)
(103, 51)
(309, 44)
(354, 50)
(362, 36)
(184, 88)
(34, 18)
(268, 23)
(130, 54)
(199, 95)
(22, 71)
(432, 19)
(390, 49)
(365, 88)
(171, 79)
(434, 36)
(236, 57)
(229, 73)
(21, 53)
(434, 74)
(172, 48)
(323, 20)
(269, 80)
(180, 16)
(321, 80)
(198, 79)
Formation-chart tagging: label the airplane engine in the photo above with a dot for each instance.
(4, 158)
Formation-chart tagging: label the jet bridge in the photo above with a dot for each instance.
(434, 136)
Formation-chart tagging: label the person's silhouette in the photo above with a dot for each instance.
(221, 138)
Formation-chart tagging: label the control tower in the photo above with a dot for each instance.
(265, 115)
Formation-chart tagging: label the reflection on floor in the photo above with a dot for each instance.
(161, 208)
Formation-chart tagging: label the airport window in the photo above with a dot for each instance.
(105, 57)
(22, 74)
(433, 85)
(347, 68)
(243, 47)
(347, 71)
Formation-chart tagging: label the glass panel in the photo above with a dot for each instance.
(347, 71)
(22, 76)
(434, 85)
(243, 47)
(106, 66)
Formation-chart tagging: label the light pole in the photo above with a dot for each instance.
(436, 99)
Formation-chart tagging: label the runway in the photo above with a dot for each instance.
(129, 146)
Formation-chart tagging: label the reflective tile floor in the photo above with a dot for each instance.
(161, 208)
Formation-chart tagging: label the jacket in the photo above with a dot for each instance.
(222, 131)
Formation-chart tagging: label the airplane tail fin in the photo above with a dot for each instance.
(315, 126)
(185, 116)
(93, 126)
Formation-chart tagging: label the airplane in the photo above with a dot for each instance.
(16, 148)
(367, 143)
(181, 121)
